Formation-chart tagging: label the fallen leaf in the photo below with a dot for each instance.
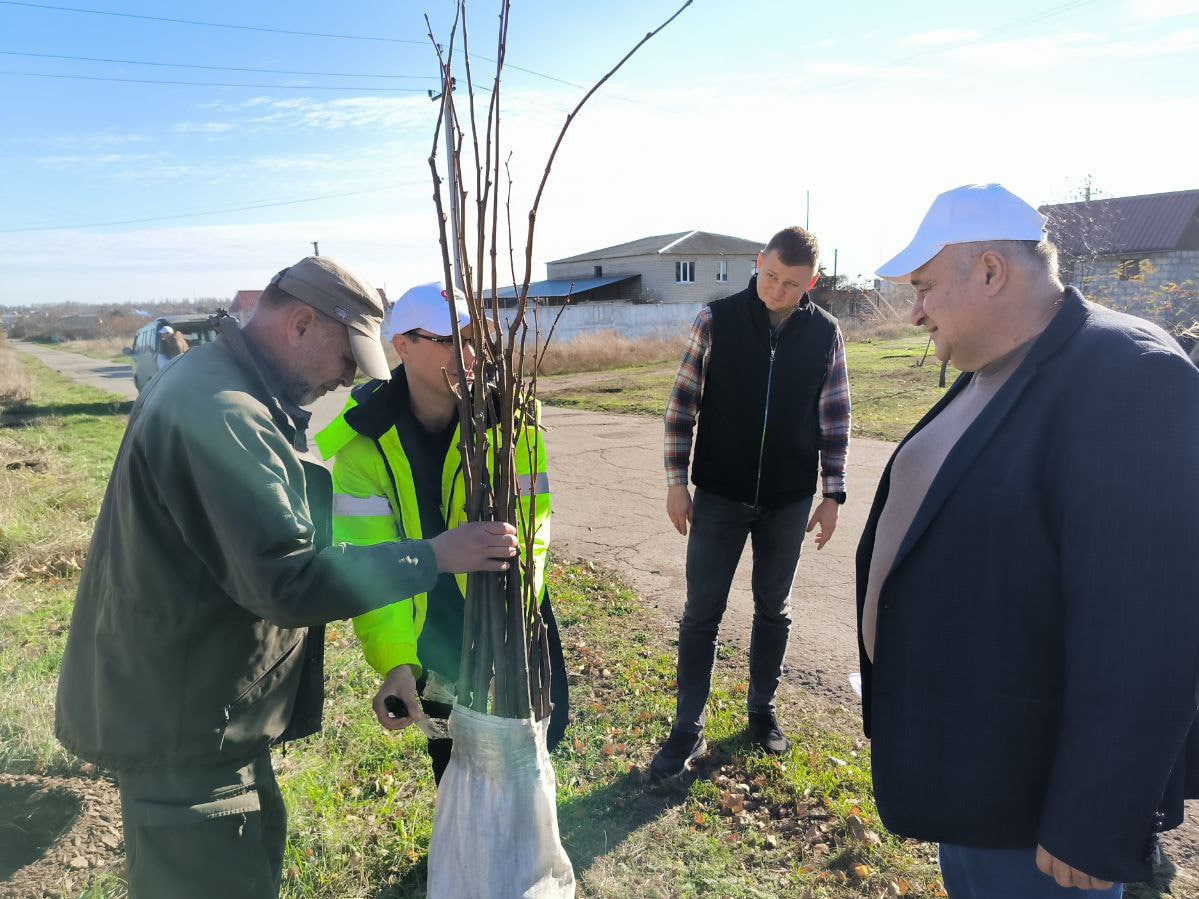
(701, 819)
(861, 872)
(856, 828)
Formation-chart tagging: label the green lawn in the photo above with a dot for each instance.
(361, 800)
(889, 387)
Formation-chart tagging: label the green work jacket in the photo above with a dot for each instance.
(196, 635)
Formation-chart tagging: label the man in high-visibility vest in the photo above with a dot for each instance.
(397, 472)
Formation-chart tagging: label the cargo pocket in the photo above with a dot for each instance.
(221, 846)
(156, 813)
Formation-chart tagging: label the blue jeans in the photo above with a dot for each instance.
(972, 873)
(718, 533)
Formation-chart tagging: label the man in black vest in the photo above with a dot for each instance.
(764, 370)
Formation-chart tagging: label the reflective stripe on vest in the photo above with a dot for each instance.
(536, 485)
(348, 506)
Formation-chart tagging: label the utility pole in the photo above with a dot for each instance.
(447, 84)
(835, 251)
(316, 248)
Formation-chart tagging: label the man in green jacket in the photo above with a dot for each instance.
(196, 639)
(397, 473)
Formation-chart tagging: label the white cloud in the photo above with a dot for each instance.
(1155, 10)
(1073, 49)
(201, 127)
(938, 37)
(94, 160)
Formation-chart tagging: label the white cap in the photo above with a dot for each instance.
(425, 308)
(972, 212)
(165, 329)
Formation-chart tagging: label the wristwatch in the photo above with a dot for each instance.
(838, 498)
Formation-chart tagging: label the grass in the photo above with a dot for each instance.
(889, 388)
(361, 800)
(14, 381)
(106, 348)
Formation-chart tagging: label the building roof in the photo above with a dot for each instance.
(682, 243)
(560, 287)
(244, 300)
(1147, 223)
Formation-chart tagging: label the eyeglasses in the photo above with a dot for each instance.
(448, 340)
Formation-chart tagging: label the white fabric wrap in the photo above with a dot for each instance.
(495, 829)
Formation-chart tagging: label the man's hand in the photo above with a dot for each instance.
(678, 507)
(399, 682)
(825, 516)
(1067, 876)
(475, 546)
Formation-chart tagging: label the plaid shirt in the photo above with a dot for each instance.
(683, 407)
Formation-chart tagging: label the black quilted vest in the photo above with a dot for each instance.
(759, 432)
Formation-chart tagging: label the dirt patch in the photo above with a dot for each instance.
(57, 834)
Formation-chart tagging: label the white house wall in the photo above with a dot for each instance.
(658, 275)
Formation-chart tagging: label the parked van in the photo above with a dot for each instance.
(144, 354)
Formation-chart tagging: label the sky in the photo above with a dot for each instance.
(146, 159)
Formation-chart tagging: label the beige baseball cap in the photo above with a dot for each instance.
(329, 286)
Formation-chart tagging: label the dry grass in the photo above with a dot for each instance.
(875, 329)
(99, 347)
(600, 351)
(14, 380)
(608, 349)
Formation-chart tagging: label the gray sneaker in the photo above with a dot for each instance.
(677, 753)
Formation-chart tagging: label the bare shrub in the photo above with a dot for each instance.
(14, 380)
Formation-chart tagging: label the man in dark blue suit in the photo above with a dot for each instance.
(1028, 617)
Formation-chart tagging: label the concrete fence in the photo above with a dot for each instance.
(627, 319)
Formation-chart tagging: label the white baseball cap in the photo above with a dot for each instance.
(425, 308)
(972, 212)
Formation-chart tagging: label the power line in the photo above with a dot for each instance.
(182, 215)
(261, 87)
(127, 15)
(180, 65)
(351, 37)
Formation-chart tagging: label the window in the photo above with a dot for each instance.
(722, 271)
(684, 272)
(599, 271)
(1130, 269)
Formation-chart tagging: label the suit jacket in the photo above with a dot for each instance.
(1037, 656)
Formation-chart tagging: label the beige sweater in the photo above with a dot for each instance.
(913, 470)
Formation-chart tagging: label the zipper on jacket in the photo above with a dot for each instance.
(766, 411)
